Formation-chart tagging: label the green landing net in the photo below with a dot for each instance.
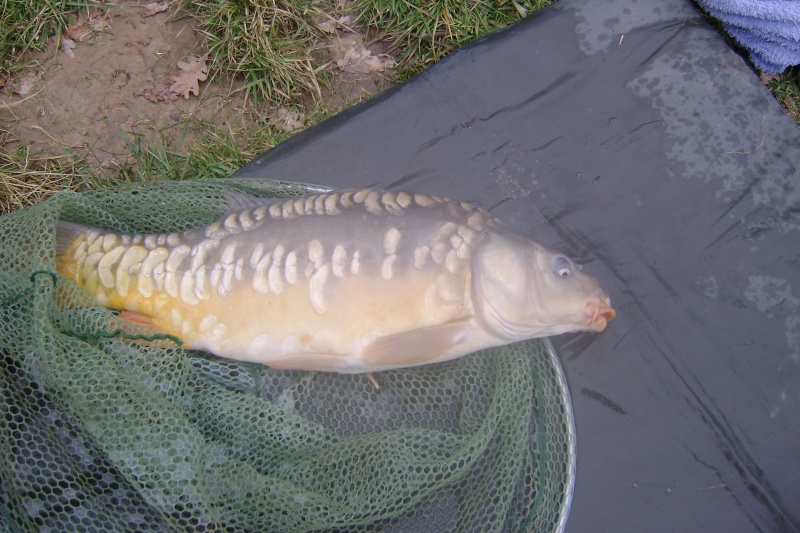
(105, 426)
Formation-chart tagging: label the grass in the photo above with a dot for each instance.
(269, 43)
(786, 89)
(218, 153)
(30, 178)
(25, 26)
(274, 46)
(424, 32)
(27, 179)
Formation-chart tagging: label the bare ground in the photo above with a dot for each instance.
(93, 100)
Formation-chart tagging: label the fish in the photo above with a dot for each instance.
(348, 281)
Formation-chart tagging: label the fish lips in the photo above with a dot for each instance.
(599, 313)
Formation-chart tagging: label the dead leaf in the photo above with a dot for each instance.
(289, 120)
(329, 24)
(77, 31)
(100, 23)
(67, 46)
(25, 84)
(193, 70)
(350, 55)
(767, 78)
(81, 30)
(153, 8)
(160, 93)
(5, 80)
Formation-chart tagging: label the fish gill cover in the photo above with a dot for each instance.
(107, 425)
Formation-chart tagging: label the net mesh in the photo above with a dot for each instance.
(105, 426)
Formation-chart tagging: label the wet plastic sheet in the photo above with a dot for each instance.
(627, 134)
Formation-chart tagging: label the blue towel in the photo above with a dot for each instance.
(768, 29)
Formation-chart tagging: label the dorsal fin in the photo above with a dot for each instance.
(239, 201)
(66, 233)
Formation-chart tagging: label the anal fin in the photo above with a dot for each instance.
(139, 319)
(128, 320)
(416, 346)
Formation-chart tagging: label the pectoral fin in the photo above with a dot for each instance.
(416, 346)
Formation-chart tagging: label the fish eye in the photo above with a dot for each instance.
(562, 266)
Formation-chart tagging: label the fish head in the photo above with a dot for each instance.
(523, 290)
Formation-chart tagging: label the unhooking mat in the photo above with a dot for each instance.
(624, 132)
(106, 426)
(629, 135)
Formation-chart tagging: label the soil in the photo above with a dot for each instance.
(93, 100)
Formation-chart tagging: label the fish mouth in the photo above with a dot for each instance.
(599, 314)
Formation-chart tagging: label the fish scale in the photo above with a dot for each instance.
(347, 281)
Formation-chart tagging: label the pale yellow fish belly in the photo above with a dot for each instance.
(255, 327)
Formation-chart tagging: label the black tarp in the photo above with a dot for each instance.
(629, 135)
